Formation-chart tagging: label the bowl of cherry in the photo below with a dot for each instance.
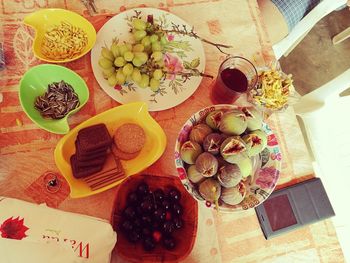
(155, 218)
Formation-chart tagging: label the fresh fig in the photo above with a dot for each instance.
(229, 175)
(234, 195)
(254, 118)
(212, 143)
(189, 152)
(210, 190)
(199, 132)
(233, 149)
(213, 119)
(233, 122)
(207, 164)
(246, 167)
(256, 141)
(193, 175)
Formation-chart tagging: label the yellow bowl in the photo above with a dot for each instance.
(137, 113)
(44, 19)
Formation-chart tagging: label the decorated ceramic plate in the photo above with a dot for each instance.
(184, 56)
(258, 185)
(130, 113)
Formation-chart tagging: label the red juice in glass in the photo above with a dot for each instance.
(236, 76)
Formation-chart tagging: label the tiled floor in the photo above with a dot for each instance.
(316, 60)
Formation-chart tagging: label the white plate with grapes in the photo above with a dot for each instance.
(148, 55)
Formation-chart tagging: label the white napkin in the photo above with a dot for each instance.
(33, 233)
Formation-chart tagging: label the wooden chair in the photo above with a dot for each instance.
(285, 46)
(325, 119)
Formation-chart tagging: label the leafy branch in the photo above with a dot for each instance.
(182, 30)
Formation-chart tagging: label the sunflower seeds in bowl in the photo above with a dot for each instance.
(59, 99)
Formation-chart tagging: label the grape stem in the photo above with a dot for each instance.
(187, 75)
(176, 29)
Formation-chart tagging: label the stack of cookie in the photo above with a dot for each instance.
(129, 140)
(92, 161)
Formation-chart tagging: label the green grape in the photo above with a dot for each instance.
(157, 55)
(106, 53)
(136, 75)
(108, 72)
(157, 74)
(153, 38)
(138, 24)
(112, 80)
(154, 84)
(144, 81)
(163, 40)
(114, 49)
(119, 62)
(105, 63)
(146, 41)
(122, 49)
(129, 46)
(138, 48)
(127, 69)
(142, 56)
(128, 56)
(160, 63)
(139, 34)
(120, 77)
(137, 62)
(156, 46)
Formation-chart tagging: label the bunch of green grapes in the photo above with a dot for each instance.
(141, 61)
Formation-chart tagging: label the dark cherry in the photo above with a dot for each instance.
(146, 220)
(133, 237)
(169, 242)
(157, 236)
(174, 195)
(138, 222)
(166, 204)
(146, 232)
(129, 212)
(147, 206)
(168, 227)
(148, 244)
(127, 226)
(159, 215)
(159, 195)
(139, 210)
(142, 189)
(148, 197)
(168, 215)
(156, 225)
(132, 198)
(177, 209)
(178, 222)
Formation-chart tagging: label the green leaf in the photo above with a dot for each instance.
(187, 65)
(195, 63)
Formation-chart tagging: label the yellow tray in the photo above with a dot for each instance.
(136, 112)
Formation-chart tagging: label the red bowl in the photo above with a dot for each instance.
(185, 236)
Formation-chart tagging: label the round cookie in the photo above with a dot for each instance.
(129, 138)
(123, 155)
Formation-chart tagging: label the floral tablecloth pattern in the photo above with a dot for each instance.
(27, 151)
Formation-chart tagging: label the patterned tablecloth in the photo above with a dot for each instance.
(27, 151)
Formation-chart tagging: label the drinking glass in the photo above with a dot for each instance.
(236, 76)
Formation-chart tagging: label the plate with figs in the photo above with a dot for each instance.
(228, 157)
(156, 219)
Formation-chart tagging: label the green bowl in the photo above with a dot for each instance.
(34, 83)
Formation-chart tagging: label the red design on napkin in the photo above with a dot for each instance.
(13, 228)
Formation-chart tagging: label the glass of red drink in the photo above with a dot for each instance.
(237, 75)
